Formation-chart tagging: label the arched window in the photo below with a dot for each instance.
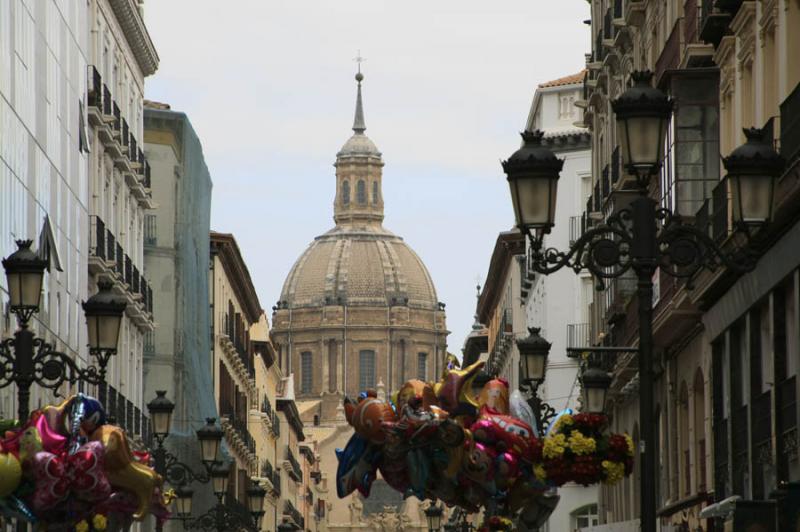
(585, 517)
(374, 192)
(684, 458)
(366, 370)
(361, 192)
(345, 192)
(422, 366)
(699, 400)
(306, 372)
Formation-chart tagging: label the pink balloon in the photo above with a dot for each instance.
(59, 475)
(52, 441)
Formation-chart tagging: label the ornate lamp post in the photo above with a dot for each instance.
(533, 352)
(433, 513)
(221, 517)
(26, 359)
(643, 238)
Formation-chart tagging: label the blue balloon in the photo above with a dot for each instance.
(358, 464)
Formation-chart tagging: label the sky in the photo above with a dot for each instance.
(268, 86)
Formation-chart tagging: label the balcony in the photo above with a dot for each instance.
(118, 140)
(238, 436)
(293, 514)
(238, 362)
(577, 225)
(578, 335)
(124, 413)
(790, 127)
(108, 261)
(635, 12)
(294, 469)
(276, 483)
(713, 23)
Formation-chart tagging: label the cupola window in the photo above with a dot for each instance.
(374, 192)
(361, 192)
(345, 192)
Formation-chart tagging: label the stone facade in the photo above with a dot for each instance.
(358, 310)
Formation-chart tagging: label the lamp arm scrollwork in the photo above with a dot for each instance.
(175, 472)
(221, 518)
(6, 363)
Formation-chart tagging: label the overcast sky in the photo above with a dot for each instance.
(268, 86)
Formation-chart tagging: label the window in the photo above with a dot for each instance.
(150, 234)
(374, 192)
(585, 517)
(361, 192)
(366, 370)
(345, 192)
(422, 366)
(691, 166)
(306, 372)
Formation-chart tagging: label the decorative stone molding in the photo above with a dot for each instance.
(743, 26)
(769, 19)
(136, 34)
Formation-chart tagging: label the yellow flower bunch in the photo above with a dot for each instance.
(554, 446)
(631, 449)
(82, 526)
(580, 444)
(614, 471)
(99, 522)
(539, 472)
(564, 420)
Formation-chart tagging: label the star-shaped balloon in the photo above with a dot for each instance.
(455, 387)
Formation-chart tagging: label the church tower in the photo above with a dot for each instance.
(359, 171)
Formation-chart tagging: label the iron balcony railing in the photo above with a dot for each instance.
(147, 181)
(276, 482)
(266, 469)
(295, 515)
(578, 335)
(95, 90)
(576, 228)
(296, 472)
(98, 245)
(606, 182)
(106, 100)
(122, 412)
(125, 134)
(790, 126)
(240, 427)
(619, 12)
(616, 163)
(117, 119)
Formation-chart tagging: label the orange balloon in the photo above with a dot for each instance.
(123, 471)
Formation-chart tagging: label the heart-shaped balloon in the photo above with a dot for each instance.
(59, 475)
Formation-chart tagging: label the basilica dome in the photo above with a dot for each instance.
(359, 266)
(358, 262)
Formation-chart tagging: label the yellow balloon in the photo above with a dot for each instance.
(10, 474)
(123, 471)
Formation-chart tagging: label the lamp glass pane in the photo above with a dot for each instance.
(436, 520)
(531, 201)
(108, 331)
(255, 502)
(594, 399)
(219, 484)
(534, 366)
(30, 288)
(645, 140)
(209, 450)
(184, 503)
(161, 422)
(14, 289)
(752, 198)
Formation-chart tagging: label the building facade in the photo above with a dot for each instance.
(44, 160)
(725, 368)
(121, 55)
(358, 310)
(560, 303)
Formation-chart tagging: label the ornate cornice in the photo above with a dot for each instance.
(578, 140)
(509, 244)
(138, 38)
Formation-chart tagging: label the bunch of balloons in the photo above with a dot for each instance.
(67, 469)
(474, 450)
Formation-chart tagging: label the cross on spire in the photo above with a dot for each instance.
(358, 59)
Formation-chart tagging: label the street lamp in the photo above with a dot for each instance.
(255, 501)
(595, 383)
(210, 437)
(533, 172)
(160, 410)
(183, 502)
(25, 359)
(752, 170)
(434, 515)
(643, 114)
(24, 273)
(533, 352)
(220, 475)
(644, 238)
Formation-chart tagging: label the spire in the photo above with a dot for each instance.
(358, 121)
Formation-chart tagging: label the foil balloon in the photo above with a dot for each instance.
(58, 476)
(368, 415)
(419, 469)
(456, 386)
(504, 433)
(494, 397)
(125, 472)
(14, 507)
(51, 440)
(478, 465)
(358, 463)
(520, 409)
(10, 474)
